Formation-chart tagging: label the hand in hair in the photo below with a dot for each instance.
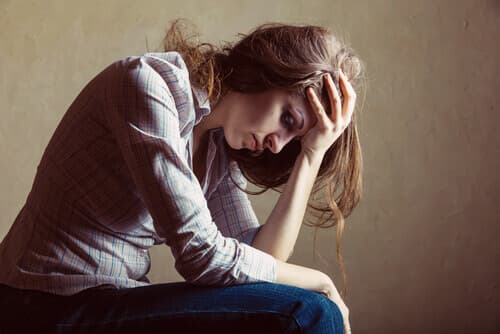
(329, 127)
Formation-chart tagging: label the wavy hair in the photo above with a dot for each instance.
(288, 57)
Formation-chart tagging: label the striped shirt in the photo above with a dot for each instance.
(117, 178)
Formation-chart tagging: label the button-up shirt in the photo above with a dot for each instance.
(117, 178)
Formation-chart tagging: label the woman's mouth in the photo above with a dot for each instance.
(254, 144)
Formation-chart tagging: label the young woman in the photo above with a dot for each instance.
(157, 149)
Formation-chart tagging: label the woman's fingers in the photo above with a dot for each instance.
(334, 96)
(349, 96)
(347, 325)
(334, 296)
(345, 313)
(317, 106)
(329, 127)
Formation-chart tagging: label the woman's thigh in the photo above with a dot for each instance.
(178, 308)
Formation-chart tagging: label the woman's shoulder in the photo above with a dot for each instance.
(171, 58)
(153, 76)
(168, 66)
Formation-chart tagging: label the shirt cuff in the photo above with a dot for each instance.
(263, 265)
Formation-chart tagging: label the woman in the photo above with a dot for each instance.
(154, 150)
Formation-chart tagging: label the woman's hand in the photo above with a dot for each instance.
(329, 127)
(332, 294)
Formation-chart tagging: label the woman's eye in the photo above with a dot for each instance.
(288, 120)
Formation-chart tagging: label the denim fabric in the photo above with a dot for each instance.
(172, 308)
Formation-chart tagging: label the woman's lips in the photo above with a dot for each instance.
(256, 145)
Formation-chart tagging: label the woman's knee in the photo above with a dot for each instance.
(317, 313)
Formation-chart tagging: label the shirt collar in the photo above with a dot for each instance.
(201, 103)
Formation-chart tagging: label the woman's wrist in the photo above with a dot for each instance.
(329, 286)
(313, 157)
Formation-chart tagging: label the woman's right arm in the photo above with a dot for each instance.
(302, 277)
(146, 103)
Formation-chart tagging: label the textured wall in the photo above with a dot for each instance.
(420, 250)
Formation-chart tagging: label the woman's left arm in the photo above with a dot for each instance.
(279, 234)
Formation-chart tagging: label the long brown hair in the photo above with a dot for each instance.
(289, 57)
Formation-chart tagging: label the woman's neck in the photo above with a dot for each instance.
(215, 119)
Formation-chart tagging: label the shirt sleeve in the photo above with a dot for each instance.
(141, 109)
(231, 209)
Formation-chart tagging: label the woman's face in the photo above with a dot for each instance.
(266, 120)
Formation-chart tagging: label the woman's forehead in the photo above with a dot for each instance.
(298, 100)
(290, 95)
(301, 102)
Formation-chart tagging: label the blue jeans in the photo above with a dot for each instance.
(172, 308)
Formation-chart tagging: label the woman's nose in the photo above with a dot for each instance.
(276, 143)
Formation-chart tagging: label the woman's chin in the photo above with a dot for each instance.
(236, 145)
(233, 146)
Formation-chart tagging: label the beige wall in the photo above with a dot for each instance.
(421, 249)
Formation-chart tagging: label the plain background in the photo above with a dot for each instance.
(421, 249)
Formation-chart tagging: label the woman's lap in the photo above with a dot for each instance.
(175, 307)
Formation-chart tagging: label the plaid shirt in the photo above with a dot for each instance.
(117, 178)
